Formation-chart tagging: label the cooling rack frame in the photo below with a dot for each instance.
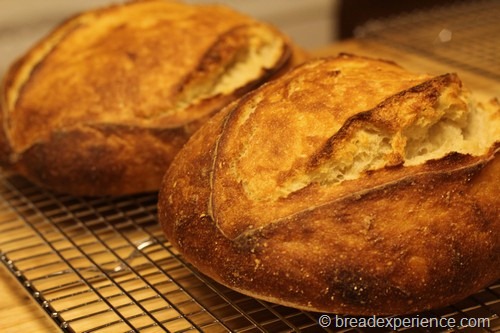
(61, 248)
(465, 34)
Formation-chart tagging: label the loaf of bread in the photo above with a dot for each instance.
(104, 102)
(348, 185)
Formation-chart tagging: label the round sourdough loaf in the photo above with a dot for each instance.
(104, 102)
(348, 185)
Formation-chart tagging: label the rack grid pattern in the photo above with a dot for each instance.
(82, 259)
(65, 251)
(465, 35)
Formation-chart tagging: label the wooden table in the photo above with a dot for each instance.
(19, 313)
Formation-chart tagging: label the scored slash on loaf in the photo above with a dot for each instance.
(103, 103)
(348, 185)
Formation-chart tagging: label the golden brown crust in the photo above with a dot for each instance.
(152, 68)
(347, 186)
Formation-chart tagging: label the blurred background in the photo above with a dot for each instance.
(436, 35)
(310, 23)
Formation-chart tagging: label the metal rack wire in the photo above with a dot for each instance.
(465, 34)
(79, 258)
(65, 251)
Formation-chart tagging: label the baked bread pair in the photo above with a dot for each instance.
(348, 185)
(104, 102)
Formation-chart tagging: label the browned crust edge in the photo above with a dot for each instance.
(111, 159)
(437, 248)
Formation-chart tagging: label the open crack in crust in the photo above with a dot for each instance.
(128, 79)
(412, 224)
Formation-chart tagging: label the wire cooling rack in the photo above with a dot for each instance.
(464, 34)
(103, 265)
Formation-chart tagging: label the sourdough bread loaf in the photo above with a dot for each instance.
(104, 102)
(349, 185)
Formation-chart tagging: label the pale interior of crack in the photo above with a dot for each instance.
(264, 51)
(464, 127)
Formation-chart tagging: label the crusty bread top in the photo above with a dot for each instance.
(347, 185)
(148, 63)
(368, 115)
